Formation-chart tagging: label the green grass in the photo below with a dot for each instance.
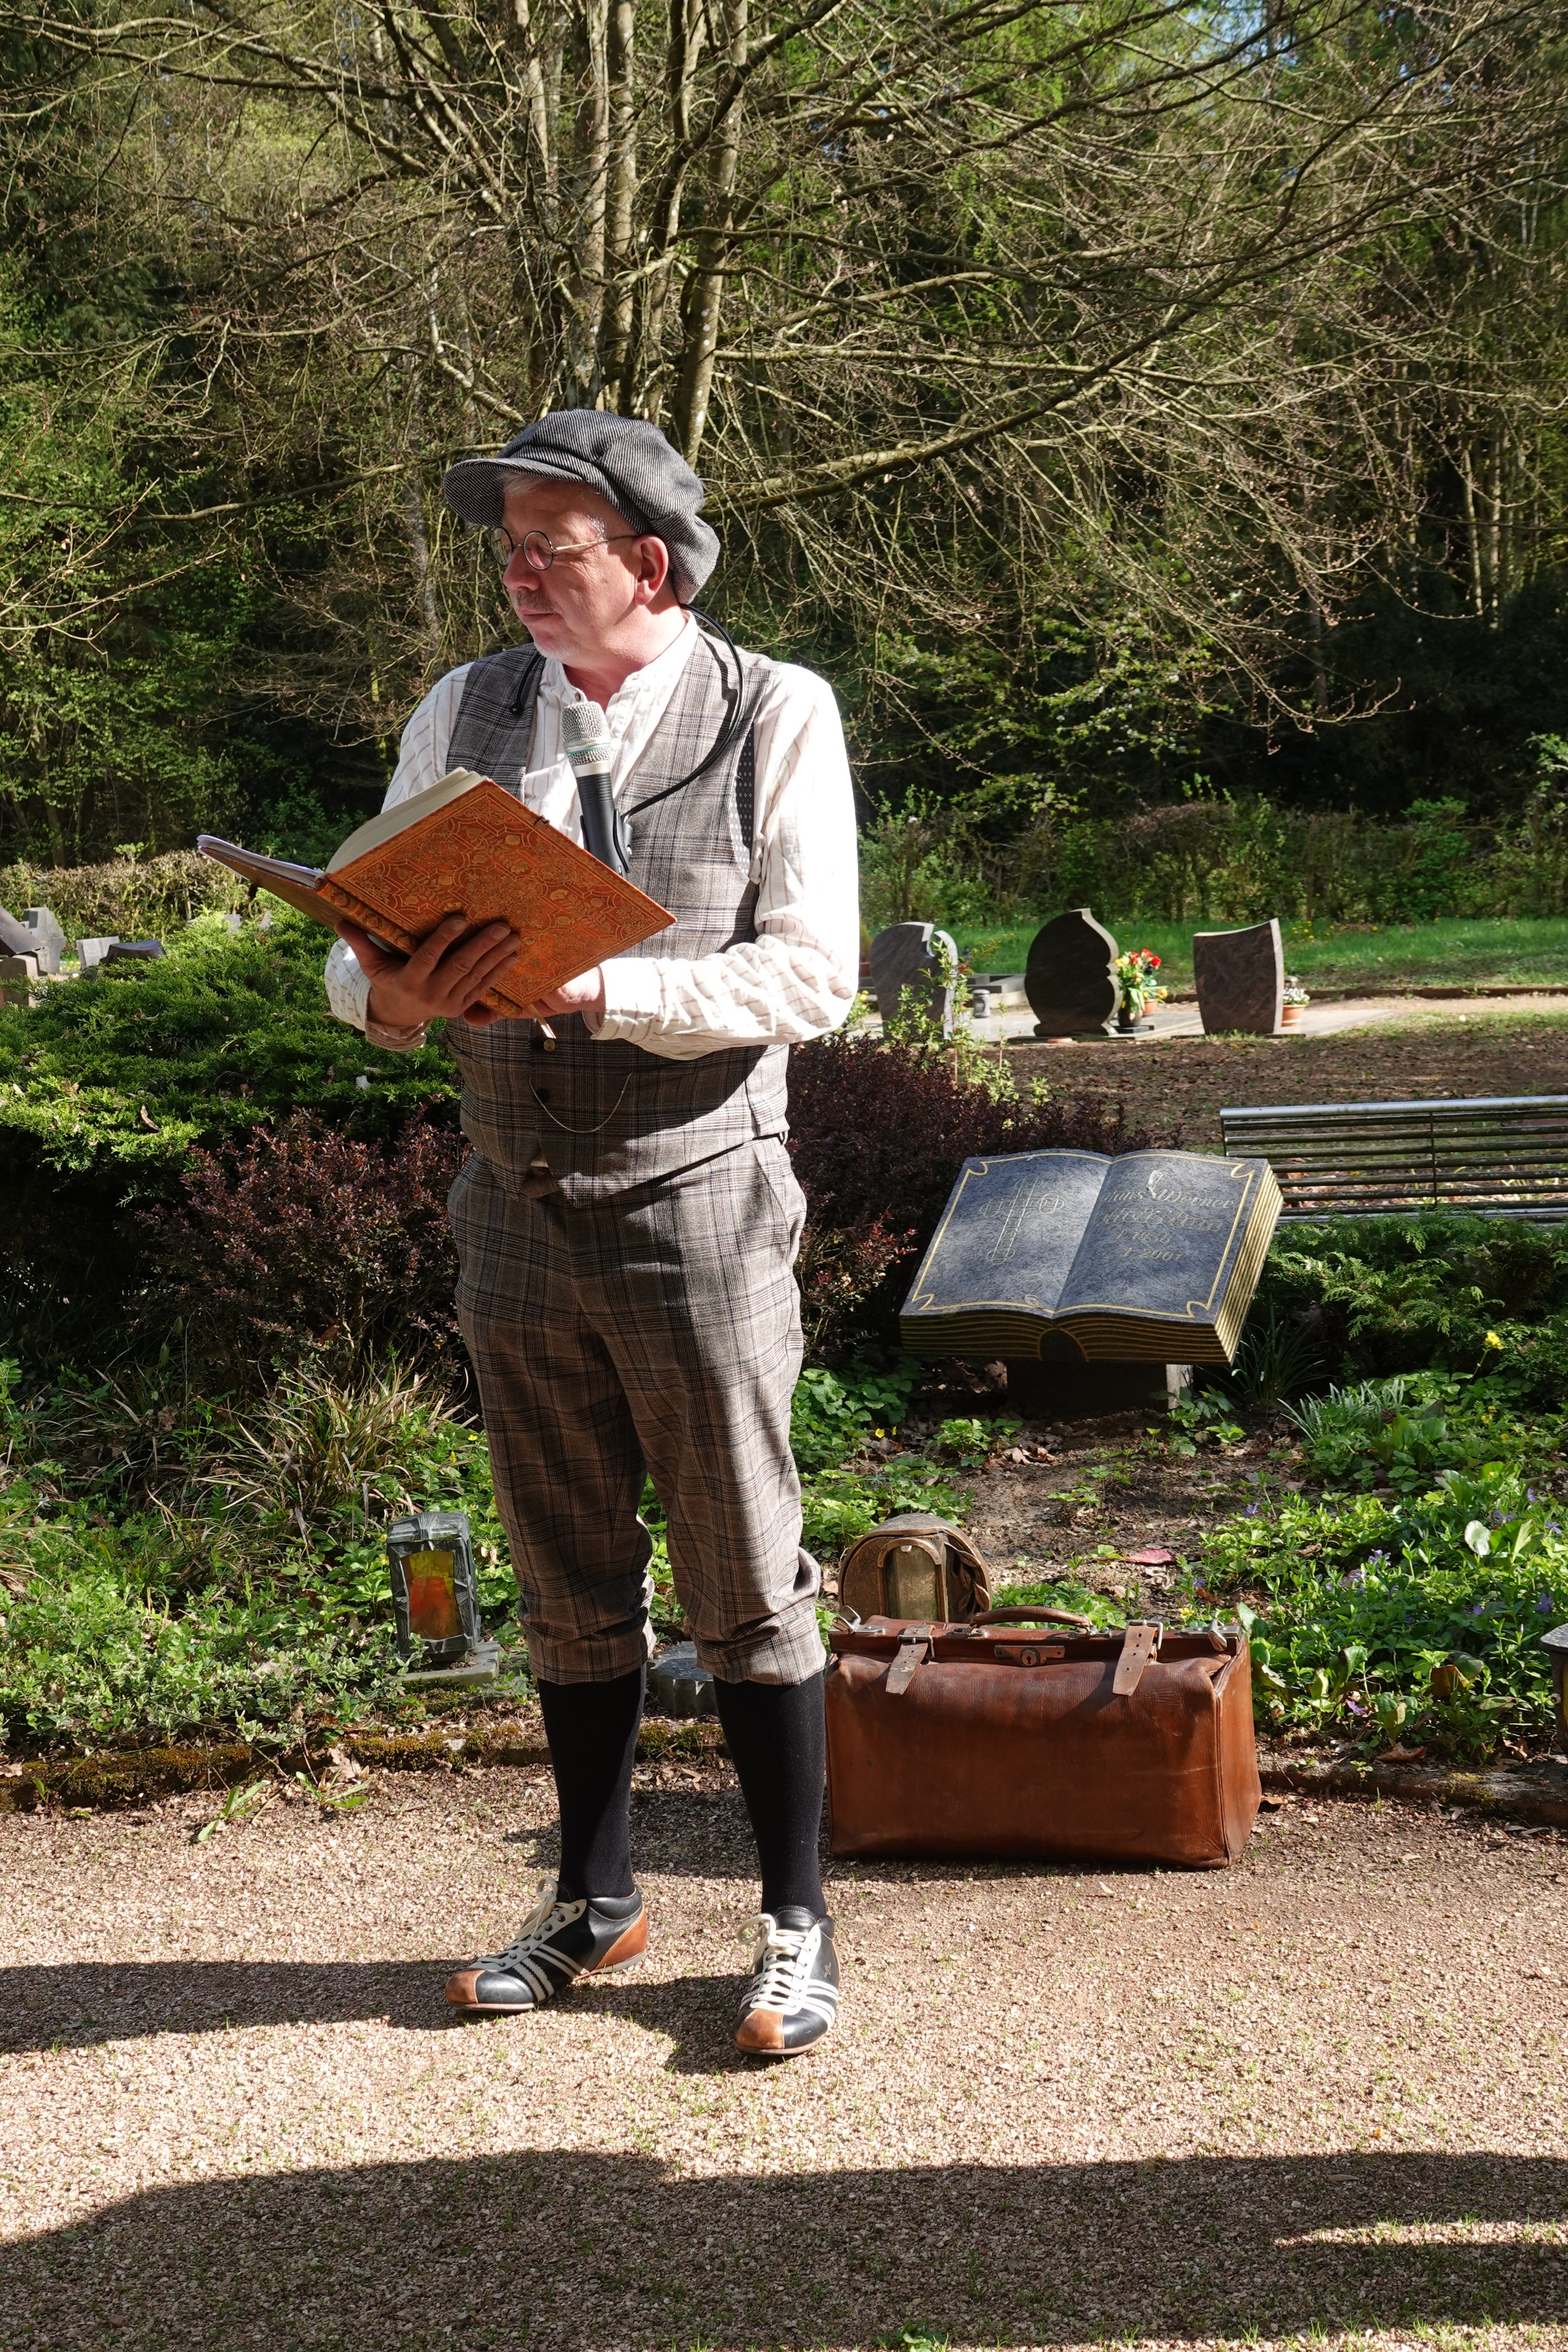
(1460, 951)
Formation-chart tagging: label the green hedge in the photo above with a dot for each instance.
(107, 1081)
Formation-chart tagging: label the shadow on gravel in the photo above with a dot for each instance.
(559, 2249)
(82, 2003)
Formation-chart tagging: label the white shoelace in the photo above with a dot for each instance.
(781, 1968)
(530, 1954)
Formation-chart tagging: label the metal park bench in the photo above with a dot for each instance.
(1500, 1156)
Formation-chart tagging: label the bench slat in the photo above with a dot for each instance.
(1494, 1155)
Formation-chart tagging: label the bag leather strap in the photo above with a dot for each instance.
(914, 1646)
(1033, 1617)
(1139, 1644)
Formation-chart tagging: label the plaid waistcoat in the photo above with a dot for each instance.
(610, 1115)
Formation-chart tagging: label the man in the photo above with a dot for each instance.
(627, 1225)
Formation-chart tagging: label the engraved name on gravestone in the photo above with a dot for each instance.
(1240, 977)
(914, 955)
(1070, 976)
(48, 937)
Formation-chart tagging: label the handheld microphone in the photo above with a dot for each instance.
(585, 740)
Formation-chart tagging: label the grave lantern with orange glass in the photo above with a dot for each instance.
(431, 1557)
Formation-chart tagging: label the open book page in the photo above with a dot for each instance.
(1010, 1232)
(390, 823)
(1161, 1235)
(296, 886)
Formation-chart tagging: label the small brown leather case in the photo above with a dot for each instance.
(990, 1742)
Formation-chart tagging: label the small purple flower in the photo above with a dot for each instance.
(1554, 1527)
(1358, 1578)
(1479, 1610)
(1249, 1511)
(1546, 1605)
(1529, 1495)
(1380, 1558)
(1355, 1706)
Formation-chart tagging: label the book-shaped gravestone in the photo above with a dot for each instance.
(1240, 980)
(1069, 1256)
(464, 846)
(1069, 976)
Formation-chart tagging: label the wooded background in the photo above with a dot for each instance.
(1122, 403)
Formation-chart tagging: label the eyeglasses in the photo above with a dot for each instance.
(538, 550)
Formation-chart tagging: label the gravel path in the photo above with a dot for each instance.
(1317, 2098)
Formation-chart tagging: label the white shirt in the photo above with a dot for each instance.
(797, 978)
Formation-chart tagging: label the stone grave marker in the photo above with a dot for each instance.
(1070, 976)
(1240, 977)
(17, 974)
(134, 951)
(911, 956)
(48, 937)
(91, 952)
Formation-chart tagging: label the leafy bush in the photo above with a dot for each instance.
(188, 1566)
(309, 1244)
(1383, 1294)
(879, 1131)
(1402, 1433)
(1423, 1618)
(109, 1082)
(126, 900)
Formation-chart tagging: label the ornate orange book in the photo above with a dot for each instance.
(466, 847)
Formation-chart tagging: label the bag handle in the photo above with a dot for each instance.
(1033, 1617)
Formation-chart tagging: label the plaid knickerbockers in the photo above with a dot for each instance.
(656, 1327)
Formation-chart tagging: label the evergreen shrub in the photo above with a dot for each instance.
(109, 1082)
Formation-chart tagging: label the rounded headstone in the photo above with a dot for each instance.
(1240, 977)
(1070, 976)
(913, 956)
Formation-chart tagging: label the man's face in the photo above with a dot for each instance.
(578, 608)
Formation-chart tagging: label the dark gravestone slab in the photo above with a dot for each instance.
(1070, 977)
(1240, 979)
(48, 936)
(134, 951)
(910, 957)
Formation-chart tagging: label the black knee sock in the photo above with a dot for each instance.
(778, 1739)
(591, 1728)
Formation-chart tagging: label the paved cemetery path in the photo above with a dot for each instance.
(1315, 2099)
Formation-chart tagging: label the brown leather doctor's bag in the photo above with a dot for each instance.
(993, 1740)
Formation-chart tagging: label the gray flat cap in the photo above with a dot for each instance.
(625, 458)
